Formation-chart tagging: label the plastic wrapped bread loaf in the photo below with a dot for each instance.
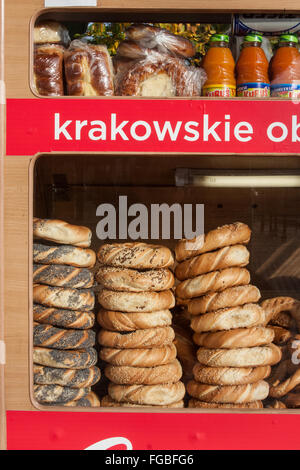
(89, 70)
(48, 70)
(51, 32)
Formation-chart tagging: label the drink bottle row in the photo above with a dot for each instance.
(252, 75)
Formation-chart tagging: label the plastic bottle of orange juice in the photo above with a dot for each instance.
(219, 66)
(252, 69)
(285, 68)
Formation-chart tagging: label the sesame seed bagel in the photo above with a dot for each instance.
(139, 357)
(228, 393)
(107, 401)
(230, 375)
(194, 403)
(160, 394)
(136, 301)
(127, 375)
(119, 321)
(131, 280)
(237, 338)
(148, 338)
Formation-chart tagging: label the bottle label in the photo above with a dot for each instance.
(253, 90)
(285, 90)
(221, 91)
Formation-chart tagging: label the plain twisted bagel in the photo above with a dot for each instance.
(227, 318)
(226, 257)
(90, 400)
(230, 375)
(131, 280)
(231, 297)
(240, 357)
(281, 389)
(227, 235)
(49, 336)
(154, 37)
(107, 401)
(237, 338)
(275, 305)
(139, 357)
(64, 297)
(127, 375)
(228, 393)
(160, 394)
(119, 321)
(63, 317)
(135, 255)
(74, 378)
(138, 339)
(215, 281)
(64, 254)
(57, 394)
(61, 232)
(194, 403)
(136, 301)
(77, 359)
(62, 276)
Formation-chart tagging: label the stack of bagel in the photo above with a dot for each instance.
(282, 316)
(136, 337)
(64, 356)
(235, 350)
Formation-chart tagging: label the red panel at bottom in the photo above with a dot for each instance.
(36, 430)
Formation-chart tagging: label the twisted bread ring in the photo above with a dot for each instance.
(68, 359)
(194, 403)
(229, 318)
(139, 357)
(57, 394)
(131, 280)
(74, 378)
(160, 394)
(58, 338)
(240, 357)
(107, 401)
(90, 400)
(230, 375)
(228, 393)
(119, 321)
(237, 338)
(139, 339)
(63, 317)
(274, 306)
(127, 375)
(61, 297)
(136, 301)
(283, 388)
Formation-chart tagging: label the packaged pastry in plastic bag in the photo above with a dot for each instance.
(48, 70)
(160, 39)
(51, 32)
(159, 75)
(88, 70)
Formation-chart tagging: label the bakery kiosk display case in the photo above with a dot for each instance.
(151, 229)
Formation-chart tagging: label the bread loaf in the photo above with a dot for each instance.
(136, 301)
(60, 297)
(128, 375)
(48, 70)
(131, 280)
(139, 357)
(228, 393)
(160, 394)
(139, 339)
(64, 254)
(62, 276)
(50, 32)
(77, 359)
(61, 232)
(227, 235)
(226, 257)
(119, 321)
(63, 318)
(230, 375)
(237, 338)
(51, 337)
(74, 378)
(215, 281)
(135, 255)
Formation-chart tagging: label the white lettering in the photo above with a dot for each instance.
(210, 130)
(283, 134)
(115, 130)
(101, 129)
(61, 129)
(188, 128)
(167, 128)
(238, 131)
(147, 133)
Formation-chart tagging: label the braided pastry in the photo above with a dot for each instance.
(283, 388)
(231, 297)
(61, 297)
(226, 257)
(63, 318)
(274, 306)
(136, 301)
(62, 276)
(61, 232)
(149, 338)
(237, 338)
(57, 394)
(194, 403)
(107, 401)
(51, 337)
(131, 280)
(139, 357)
(227, 318)
(232, 234)
(135, 255)
(215, 281)
(160, 394)
(230, 375)
(167, 373)
(64, 254)
(48, 69)
(240, 357)
(119, 321)
(78, 359)
(228, 393)
(74, 378)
